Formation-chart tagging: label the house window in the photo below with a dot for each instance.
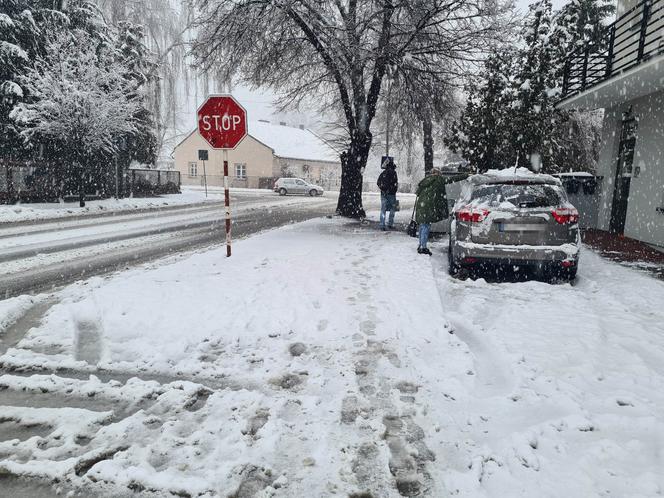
(241, 171)
(193, 169)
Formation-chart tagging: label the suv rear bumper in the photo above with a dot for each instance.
(515, 255)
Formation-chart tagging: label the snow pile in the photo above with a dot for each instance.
(13, 309)
(521, 172)
(328, 358)
(580, 174)
(43, 211)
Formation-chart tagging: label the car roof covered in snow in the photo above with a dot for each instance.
(575, 174)
(513, 175)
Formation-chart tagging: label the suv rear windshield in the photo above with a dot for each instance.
(519, 195)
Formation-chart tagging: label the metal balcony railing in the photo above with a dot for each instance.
(634, 38)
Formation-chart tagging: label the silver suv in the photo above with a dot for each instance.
(514, 220)
(296, 186)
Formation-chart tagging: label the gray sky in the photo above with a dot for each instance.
(523, 4)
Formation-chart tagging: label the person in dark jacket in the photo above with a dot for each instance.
(388, 183)
(431, 206)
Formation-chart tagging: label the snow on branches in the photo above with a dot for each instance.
(337, 53)
(78, 98)
(511, 112)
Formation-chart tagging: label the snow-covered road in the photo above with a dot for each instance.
(39, 255)
(328, 358)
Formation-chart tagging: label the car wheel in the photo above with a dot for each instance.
(570, 274)
(313, 193)
(452, 267)
(282, 191)
(562, 275)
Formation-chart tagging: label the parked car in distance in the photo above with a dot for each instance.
(284, 186)
(508, 218)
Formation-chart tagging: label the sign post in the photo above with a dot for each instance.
(203, 156)
(222, 122)
(227, 203)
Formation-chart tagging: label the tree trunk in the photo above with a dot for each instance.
(158, 114)
(427, 130)
(353, 164)
(409, 162)
(10, 184)
(81, 186)
(121, 180)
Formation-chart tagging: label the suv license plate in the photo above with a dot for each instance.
(521, 227)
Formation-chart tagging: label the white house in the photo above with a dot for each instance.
(625, 77)
(269, 152)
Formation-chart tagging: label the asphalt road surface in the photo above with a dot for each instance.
(41, 256)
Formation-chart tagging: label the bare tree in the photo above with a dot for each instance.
(418, 99)
(339, 52)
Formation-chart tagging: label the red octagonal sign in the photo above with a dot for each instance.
(222, 122)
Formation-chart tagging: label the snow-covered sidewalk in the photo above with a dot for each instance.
(26, 212)
(327, 358)
(23, 212)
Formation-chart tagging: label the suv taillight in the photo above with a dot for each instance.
(565, 216)
(472, 215)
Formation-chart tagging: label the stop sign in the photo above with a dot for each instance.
(222, 122)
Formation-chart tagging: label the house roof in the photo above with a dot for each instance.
(292, 143)
(288, 142)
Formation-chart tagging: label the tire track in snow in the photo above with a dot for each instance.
(492, 378)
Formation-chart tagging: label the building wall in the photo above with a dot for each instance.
(644, 222)
(257, 157)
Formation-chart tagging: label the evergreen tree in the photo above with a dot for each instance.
(479, 135)
(19, 39)
(533, 116)
(515, 117)
(139, 71)
(583, 21)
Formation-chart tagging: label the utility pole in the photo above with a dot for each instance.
(205, 178)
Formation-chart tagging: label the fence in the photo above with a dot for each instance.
(45, 182)
(145, 182)
(27, 181)
(267, 183)
(635, 37)
(253, 182)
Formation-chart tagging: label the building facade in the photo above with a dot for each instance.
(624, 75)
(266, 154)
